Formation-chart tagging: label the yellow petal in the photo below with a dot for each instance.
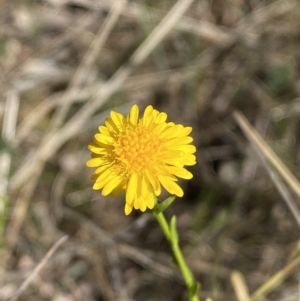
(134, 115)
(131, 188)
(163, 171)
(104, 130)
(106, 174)
(159, 128)
(136, 204)
(186, 131)
(100, 184)
(142, 204)
(161, 117)
(117, 190)
(171, 186)
(171, 131)
(112, 128)
(97, 186)
(189, 160)
(127, 209)
(188, 149)
(170, 154)
(95, 162)
(104, 139)
(151, 201)
(148, 111)
(179, 172)
(153, 181)
(175, 161)
(93, 147)
(101, 169)
(148, 115)
(178, 141)
(111, 185)
(94, 176)
(117, 118)
(145, 187)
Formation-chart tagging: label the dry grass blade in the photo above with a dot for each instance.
(160, 31)
(88, 60)
(275, 280)
(208, 31)
(8, 134)
(110, 246)
(280, 186)
(38, 268)
(239, 285)
(153, 265)
(265, 153)
(253, 136)
(20, 208)
(45, 107)
(203, 29)
(267, 12)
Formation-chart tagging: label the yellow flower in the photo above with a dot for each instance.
(141, 155)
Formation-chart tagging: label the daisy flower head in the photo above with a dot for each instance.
(140, 156)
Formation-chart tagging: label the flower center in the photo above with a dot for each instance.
(136, 149)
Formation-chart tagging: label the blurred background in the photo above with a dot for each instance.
(65, 64)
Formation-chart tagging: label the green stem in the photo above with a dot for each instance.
(163, 224)
(185, 270)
